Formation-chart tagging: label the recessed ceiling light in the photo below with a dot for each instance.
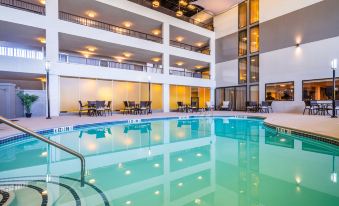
(199, 44)
(91, 48)
(179, 63)
(179, 38)
(191, 7)
(156, 59)
(155, 3)
(127, 54)
(198, 67)
(42, 40)
(183, 2)
(127, 24)
(179, 13)
(91, 14)
(156, 32)
(42, 2)
(119, 58)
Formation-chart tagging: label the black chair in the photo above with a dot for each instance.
(132, 107)
(194, 107)
(181, 107)
(264, 107)
(91, 108)
(143, 108)
(82, 108)
(100, 107)
(108, 107)
(251, 106)
(126, 109)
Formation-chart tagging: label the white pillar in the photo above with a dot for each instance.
(54, 92)
(212, 63)
(166, 40)
(166, 97)
(52, 38)
(212, 95)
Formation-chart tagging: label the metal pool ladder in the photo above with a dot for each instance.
(48, 141)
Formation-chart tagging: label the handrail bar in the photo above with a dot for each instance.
(48, 141)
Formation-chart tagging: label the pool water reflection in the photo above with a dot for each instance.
(204, 161)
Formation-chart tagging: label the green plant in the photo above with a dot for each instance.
(27, 100)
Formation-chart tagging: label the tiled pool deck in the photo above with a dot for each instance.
(320, 125)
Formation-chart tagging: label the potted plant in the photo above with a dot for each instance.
(27, 101)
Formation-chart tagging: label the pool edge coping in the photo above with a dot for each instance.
(311, 135)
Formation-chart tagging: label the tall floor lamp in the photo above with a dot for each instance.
(334, 66)
(47, 68)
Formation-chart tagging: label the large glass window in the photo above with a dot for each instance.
(254, 93)
(219, 96)
(254, 11)
(242, 15)
(254, 39)
(242, 79)
(242, 50)
(240, 98)
(321, 89)
(283, 91)
(254, 69)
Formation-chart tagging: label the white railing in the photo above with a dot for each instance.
(22, 53)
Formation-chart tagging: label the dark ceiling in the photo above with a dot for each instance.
(174, 6)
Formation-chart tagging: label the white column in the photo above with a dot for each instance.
(166, 41)
(54, 92)
(52, 38)
(212, 95)
(212, 63)
(166, 97)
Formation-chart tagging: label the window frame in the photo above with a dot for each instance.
(246, 15)
(239, 82)
(303, 82)
(287, 82)
(250, 13)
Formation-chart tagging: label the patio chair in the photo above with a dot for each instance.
(180, 107)
(91, 108)
(336, 107)
(194, 107)
(209, 106)
(264, 107)
(143, 107)
(225, 105)
(251, 106)
(126, 109)
(311, 106)
(108, 107)
(82, 108)
(132, 107)
(100, 107)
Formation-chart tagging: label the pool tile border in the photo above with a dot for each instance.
(322, 138)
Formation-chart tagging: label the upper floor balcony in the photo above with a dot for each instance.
(172, 13)
(25, 5)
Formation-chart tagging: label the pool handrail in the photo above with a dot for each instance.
(48, 141)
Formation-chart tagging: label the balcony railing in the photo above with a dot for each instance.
(187, 73)
(203, 50)
(173, 14)
(23, 5)
(107, 27)
(69, 58)
(21, 53)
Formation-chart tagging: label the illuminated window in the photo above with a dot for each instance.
(242, 43)
(282, 91)
(254, 11)
(242, 71)
(242, 18)
(321, 89)
(254, 39)
(254, 69)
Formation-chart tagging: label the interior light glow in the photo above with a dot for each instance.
(179, 38)
(127, 24)
(91, 13)
(179, 63)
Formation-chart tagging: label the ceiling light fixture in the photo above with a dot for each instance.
(127, 24)
(91, 14)
(198, 67)
(191, 7)
(156, 32)
(42, 40)
(183, 3)
(42, 2)
(179, 63)
(179, 13)
(179, 38)
(127, 54)
(91, 48)
(155, 3)
(199, 44)
(156, 59)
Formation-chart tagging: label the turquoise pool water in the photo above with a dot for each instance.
(202, 161)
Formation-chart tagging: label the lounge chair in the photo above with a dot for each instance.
(181, 107)
(209, 106)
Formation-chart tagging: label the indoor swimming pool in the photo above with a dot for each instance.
(212, 161)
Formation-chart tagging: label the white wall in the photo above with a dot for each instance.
(309, 61)
(227, 73)
(270, 9)
(226, 23)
